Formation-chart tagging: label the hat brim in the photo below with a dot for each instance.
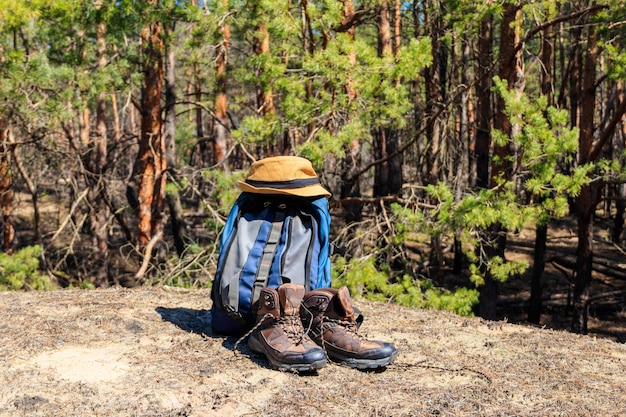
(315, 190)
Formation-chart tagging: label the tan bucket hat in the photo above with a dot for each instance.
(283, 175)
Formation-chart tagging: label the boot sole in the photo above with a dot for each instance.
(363, 364)
(255, 345)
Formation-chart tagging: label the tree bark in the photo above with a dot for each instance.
(99, 209)
(537, 281)
(381, 133)
(265, 97)
(204, 157)
(351, 166)
(264, 94)
(220, 124)
(587, 199)
(435, 80)
(620, 210)
(172, 197)
(348, 16)
(619, 144)
(397, 26)
(6, 190)
(483, 104)
(6, 184)
(151, 156)
(488, 291)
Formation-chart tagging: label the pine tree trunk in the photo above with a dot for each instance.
(587, 199)
(117, 132)
(100, 210)
(351, 186)
(220, 130)
(435, 77)
(488, 292)
(620, 190)
(483, 103)
(348, 16)
(537, 281)
(6, 191)
(6, 185)
(151, 157)
(575, 78)
(465, 139)
(172, 195)
(584, 265)
(380, 133)
(396, 162)
(264, 93)
(620, 208)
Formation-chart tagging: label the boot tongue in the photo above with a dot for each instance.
(343, 305)
(290, 298)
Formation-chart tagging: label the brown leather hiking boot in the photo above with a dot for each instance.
(330, 315)
(280, 335)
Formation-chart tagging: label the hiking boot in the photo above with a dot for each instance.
(280, 335)
(329, 314)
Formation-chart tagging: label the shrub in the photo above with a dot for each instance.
(20, 270)
(363, 279)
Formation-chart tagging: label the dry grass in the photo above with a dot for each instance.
(150, 352)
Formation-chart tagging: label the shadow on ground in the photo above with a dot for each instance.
(188, 319)
(199, 322)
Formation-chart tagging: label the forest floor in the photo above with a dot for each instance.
(607, 311)
(151, 352)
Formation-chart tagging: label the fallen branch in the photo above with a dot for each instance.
(600, 268)
(71, 213)
(588, 300)
(147, 255)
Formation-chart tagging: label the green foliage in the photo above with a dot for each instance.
(257, 130)
(548, 144)
(20, 271)
(310, 88)
(224, 190)
(15, 13)
(334, 144)
(363, 279)
(618, 58)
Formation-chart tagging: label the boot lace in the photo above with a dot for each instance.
(327, 323)
(249, 332)
(348, 325)
(291, 325)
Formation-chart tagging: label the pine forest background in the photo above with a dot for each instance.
(442, 128)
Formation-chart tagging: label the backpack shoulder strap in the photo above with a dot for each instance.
(269, 250)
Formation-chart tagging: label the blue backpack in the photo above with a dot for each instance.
(268, 240)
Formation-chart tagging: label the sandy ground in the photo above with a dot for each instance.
(150, 352)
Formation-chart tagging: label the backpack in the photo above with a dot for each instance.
(268, 240)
